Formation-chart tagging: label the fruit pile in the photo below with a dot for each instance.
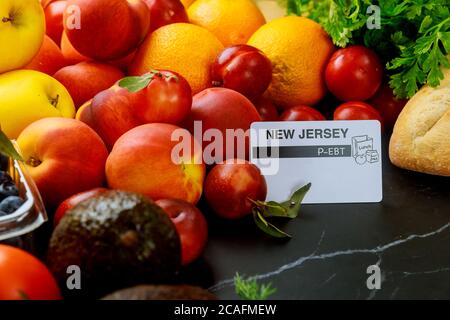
(141, 96)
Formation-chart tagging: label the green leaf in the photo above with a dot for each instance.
(426, 23)
(249, 289)
(7, 148)
(267, 227)
(294, 203)
(135, 84)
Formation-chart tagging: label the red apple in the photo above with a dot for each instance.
(86, 79)
(164, 12)
(221, 109)
(49, 58)
(64, 157)
(74, 200)
(144, 160)
(166, 99)
(54, 12)
(229, 186)
(191, 226)
(109, 29)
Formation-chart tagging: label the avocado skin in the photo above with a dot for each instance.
(161, 292)
(118, 239)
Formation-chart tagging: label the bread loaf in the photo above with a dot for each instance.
(421, 137)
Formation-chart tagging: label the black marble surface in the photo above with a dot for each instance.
(407, 235)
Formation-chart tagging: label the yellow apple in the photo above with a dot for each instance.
(27, 96)
(22, 29)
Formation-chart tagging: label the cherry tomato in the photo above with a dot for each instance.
(302, 113)
(356, 110)
(244, 69)
(191, 226)
(164, 12)
(266, 109)
(354, 73)
(388, 105)
(71, 202)
(24, 277)
(54, 12)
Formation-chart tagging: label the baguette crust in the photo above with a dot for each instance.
(421, 137)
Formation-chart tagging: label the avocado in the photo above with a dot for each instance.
(117, 239)
(161, 292)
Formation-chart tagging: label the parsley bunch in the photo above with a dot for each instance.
(413, 37)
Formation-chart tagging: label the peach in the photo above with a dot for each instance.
(64, 157)
(113, 34)
(144, 160)
(85, 79)
(49, 58)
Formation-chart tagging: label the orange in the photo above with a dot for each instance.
(232, 21)
(187, 3)
(181, 47)
(299, 50)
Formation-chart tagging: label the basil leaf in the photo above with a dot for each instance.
(7, 148)
(267, 227)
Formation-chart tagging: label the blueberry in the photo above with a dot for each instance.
(11, 204)
(7, 189)
(4, 177)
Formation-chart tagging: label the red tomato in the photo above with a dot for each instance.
(71, 202)
(356, 110)
(244, 69)
(388, 105)
(302, 113)
(23, 277)
(191, 226)
(164, 12)
(354, 73)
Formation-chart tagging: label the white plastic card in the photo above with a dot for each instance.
(342, 159)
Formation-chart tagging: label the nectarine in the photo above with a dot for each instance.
(49, 58)
(143, 161)
(86, 79)
(225, 111)
(64, 157)
(106, 29)
(229, 186)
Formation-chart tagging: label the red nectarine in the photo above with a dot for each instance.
(86, 79)
(229, 186)
(64, 157)
(49, 58)
(143, 161)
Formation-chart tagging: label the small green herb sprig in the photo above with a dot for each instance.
(249, 289)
